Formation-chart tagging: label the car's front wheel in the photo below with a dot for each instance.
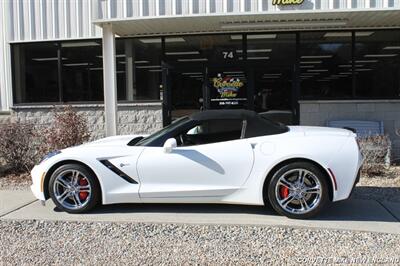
(74, 189)
(298, 190)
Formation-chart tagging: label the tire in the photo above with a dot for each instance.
(291, 197)
(74, 188)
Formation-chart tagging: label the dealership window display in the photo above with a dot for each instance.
(57, 72)
(270, 59)
(195, 62)
(35, 72)
(82, 71)
(377, 59)
(325, 65)
(138, 69)
(261, 71)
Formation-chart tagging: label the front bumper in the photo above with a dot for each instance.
(37, 186)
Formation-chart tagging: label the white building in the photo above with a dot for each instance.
(319, 60)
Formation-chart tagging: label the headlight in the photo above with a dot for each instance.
(49, 155)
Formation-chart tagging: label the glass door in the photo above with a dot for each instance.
(186, 86)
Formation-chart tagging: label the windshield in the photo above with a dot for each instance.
(177, 123)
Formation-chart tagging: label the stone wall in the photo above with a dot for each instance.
(133, 118)
(318, 113)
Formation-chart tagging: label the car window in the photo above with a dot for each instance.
(211, 131)
(176, 124)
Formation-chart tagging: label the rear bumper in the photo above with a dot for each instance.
(356, 181)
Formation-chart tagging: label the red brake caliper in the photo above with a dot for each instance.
(284, 192)
(83, 195)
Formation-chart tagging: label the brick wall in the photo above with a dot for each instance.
(133, 118)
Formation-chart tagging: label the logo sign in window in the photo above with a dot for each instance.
(229, 90)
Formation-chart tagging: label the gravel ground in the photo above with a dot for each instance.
(34, 242)
(15, 182)
(48, 242)
(380, 188)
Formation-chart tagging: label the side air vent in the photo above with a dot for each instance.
(113, 168)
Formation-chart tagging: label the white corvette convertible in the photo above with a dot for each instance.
(228, 156)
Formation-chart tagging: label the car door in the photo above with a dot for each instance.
(216, 165)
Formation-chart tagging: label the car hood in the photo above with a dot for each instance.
(318, 131)
(122, 140)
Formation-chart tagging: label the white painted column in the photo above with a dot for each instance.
(110, 84)
(6, 97)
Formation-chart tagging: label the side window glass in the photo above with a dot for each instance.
(211, 131)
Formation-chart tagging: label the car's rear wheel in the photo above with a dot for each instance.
(74, 189)
(298, 190)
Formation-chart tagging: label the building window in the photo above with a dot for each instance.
(325, 65)
(272, 57)
(372, 3)
(138, 69)
(35, 76)
(354, 3)
(82, 71)
(391, 3)
(377, 64)
(57, 72)
(189, 55)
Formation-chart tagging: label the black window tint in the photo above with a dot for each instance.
(82, 71)
(35, 73)
(213, 131)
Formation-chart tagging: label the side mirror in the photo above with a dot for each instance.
(169, 145)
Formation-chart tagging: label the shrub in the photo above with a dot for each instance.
(22, 145)
(376, 151)
(68, 129)
(18, 146)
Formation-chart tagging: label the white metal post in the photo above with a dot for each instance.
(109, 76)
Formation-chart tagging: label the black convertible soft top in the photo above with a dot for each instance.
(256, 125)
